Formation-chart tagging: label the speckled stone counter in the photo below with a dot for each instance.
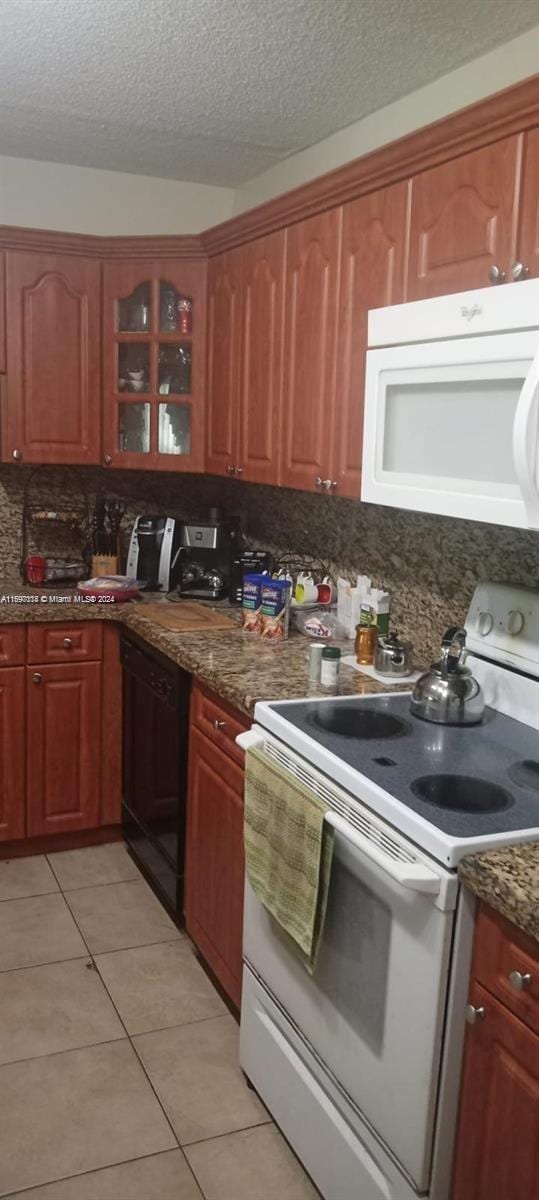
(508, 880)
(240, 668)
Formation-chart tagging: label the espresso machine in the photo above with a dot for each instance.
(204, 558)
(153, 549)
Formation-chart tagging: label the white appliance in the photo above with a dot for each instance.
(360, 1062)
(451, 406)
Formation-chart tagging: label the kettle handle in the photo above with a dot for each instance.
(452, 635)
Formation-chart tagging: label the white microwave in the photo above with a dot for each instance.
(451, 406)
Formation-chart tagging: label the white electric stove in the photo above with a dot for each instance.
(360, 1062)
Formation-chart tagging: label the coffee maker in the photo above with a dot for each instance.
(205, 558)
(152, 551)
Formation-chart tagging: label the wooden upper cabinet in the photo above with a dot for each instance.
(224, 278)
(311, 299)
(12, 754)
(262, 313)
(53, 338)
(154, 364)
(463, 220)
(497, 1151)
(528, 240)
(371, 276)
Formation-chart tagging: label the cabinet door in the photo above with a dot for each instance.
(372, 276)
(463, 220)
(497, 1151)
(528, 241)
(64, 747)
(311, 295)
(214, 866)
(223, 362)
(262, 312)
(2, 312)
(154, 364)
(12, 747)
(53, 334)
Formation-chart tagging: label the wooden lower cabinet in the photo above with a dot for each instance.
(497, 1148)
(64, 747)
(214, 868)
(12, 753)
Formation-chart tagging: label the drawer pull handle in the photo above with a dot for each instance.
(520, 981)
(219, 724)
(68, 644)
(36, 677)
(474, 1014)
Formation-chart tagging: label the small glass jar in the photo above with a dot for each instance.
(331, 662)
(365, 645)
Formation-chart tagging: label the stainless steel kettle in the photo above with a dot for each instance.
(448, 694)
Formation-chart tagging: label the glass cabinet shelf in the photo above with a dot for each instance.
(133, 367)
(135, 310)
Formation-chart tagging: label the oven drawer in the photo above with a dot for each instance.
(12, 645)
(339, 1152)
(218, 721)
(75, 641)
(506, 962)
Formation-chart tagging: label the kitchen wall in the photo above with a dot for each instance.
(500, 68)
(44, 195)
(429, 564)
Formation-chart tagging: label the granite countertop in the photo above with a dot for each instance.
(508, 880)
(237, 666)
(242, 669)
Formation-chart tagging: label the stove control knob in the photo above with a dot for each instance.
(515, 622)
(485, 621)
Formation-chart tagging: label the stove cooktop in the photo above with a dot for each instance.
(468, 782)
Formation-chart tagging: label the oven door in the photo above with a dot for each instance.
(450, 427)
(373, 1011)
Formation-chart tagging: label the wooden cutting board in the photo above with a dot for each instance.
(184, 616)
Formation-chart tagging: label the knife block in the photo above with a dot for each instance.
(104, 564)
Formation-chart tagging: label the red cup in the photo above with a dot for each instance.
(35, 567)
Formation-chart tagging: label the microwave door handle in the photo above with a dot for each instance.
(525, 430)
(415, 876)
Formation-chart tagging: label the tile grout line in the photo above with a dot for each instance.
(125, 1162)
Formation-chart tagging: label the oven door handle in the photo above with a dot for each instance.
(415, 876)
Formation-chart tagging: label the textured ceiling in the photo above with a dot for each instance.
(216, 91)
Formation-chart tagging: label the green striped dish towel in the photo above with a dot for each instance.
(288, 851)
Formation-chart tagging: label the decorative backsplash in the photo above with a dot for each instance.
(430, 565)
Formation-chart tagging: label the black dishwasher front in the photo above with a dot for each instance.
(155, 742)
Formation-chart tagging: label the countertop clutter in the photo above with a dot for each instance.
(241, 669)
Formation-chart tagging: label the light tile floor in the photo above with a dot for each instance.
(119, 1076)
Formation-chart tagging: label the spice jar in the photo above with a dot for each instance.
(366, 639)
(331, 662)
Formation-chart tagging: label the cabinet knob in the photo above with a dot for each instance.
(231, 469)
(496, 275)
(474, 1014)
(219, 724)
(327, 485)
(319, 482)
(68, 644)
(520, 981)
(239, 470)
(17, 455)
(107, 459)
(37, 678)
(519, 271)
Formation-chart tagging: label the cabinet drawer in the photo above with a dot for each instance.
(506, 962)
(73, 642)
(12, 645)
(219, 721)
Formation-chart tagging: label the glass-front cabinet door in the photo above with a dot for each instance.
(154, 355)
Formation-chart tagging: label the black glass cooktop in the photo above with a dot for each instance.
(466, 781)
